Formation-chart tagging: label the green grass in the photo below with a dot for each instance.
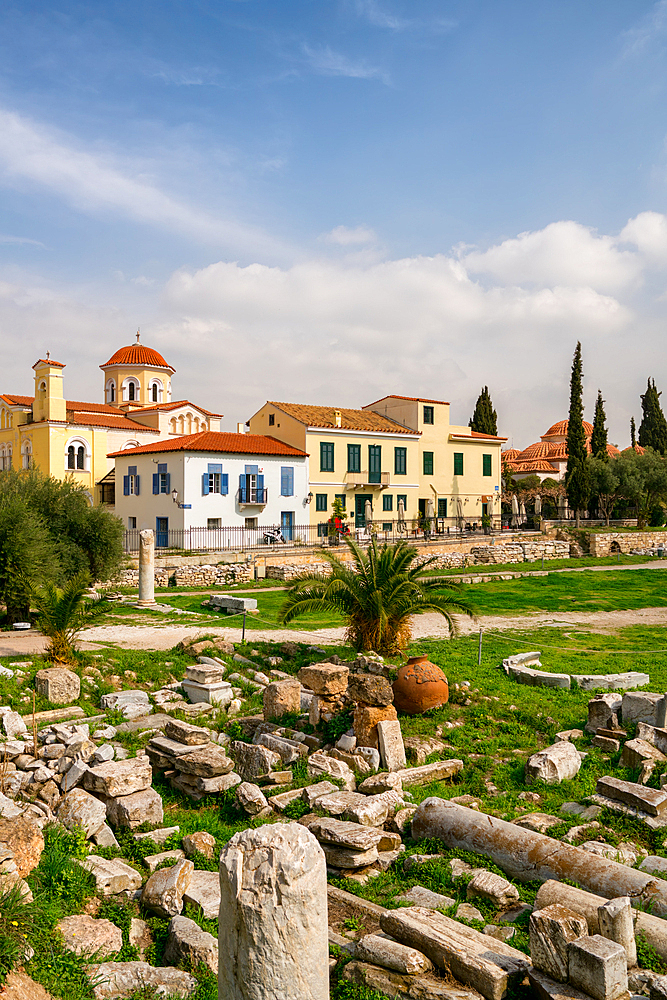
(584, 562)
(268, 606)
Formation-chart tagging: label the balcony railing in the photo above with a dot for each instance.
(366, 479)
(249, 497)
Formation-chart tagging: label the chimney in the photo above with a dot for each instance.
(338, 418)
(240, 428)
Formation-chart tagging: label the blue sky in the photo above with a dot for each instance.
(328, 200)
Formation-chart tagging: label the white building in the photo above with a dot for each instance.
(210, 481)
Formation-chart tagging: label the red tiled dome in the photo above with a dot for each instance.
(560, 429)
(137, 354)
(510, 454)
(541, 449)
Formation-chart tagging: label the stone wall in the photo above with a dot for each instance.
(191, 576)
(640, 542)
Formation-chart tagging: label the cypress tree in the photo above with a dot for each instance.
(633, 434)
(485, 419)
(599, 438)
(577, 484)
(653, 428)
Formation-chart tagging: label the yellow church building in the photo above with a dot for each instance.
(65, 437)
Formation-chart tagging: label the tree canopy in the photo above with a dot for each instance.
(653, 428)
(599, 438)
(642, 480)
(577, 484)
(485, 419)
(49, 533)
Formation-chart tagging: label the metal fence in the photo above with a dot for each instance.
(300, 536)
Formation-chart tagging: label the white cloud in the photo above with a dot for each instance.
(324, 60)
(650, 27)
(19, 240)
(94, 184)
(343, 331)
(344, 237)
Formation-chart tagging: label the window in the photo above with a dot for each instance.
(458, 463)
(387, 501)
(343, 500)
(130, 391)
(387, 525)
(428, 463)
(161, 480)
(213, 522)
(272, 419)
(487, 465)
(155, 393)
(428, 414)
(374, 463)
(251, 486)
(214, 480)
(442, 507)
(321, 501)
(402, 497)
(251, 522)
(111, 391)
(287, 481)
(76, 456)
(400, 461)
(131, 523)
(354, 458)
(326, 456)
(131, 482)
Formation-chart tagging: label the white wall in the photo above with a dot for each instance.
(186, 470)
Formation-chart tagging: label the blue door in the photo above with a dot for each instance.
(287, 524)
(161, 532)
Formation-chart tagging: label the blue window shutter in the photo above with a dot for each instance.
(126, 486)
(242, 488)
(168, 490)
(204, 484)
(224, 484)
(136, 485)
(162, 468)
(283, 482)
(131, 470)
(214, 467)
(260, 487)
(156, 482)
(290, 477)
(252, 470)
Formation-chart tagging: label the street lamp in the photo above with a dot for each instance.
(174, 495)
(309, 498)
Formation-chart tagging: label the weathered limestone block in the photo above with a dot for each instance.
(421, 896)
(185, 732)
(206, 762)
(273, 916)
(640, 706)
(390, 954)
(251, 798)
(57, 685)
(648, 800)
(484, 963)
(324, 678)
(372, 689)
(494, 888)
(439, 770)
(365, 720)
(163, 892)
(251, 761)
(597, 966)
(79, 808)
(312, 793)
(112, 877)
(153, 861)
(635, 752)
(378, 783)
(113, 980)
(119, 777)
(24, 839)
(551, 930)
(344, 857)
(616, 923)
(85, 935)
(187, 942)
(390, 742)
(281, 697)
(344, 834)
(546, 988)
(133, 810)
(603, 712)
(386, 982)
(320, 766)
(288, 750)
(204, 892)
(139, 935)
(200, 842)
(553, 764)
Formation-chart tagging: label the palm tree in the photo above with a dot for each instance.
(63, 613)
(377, 597)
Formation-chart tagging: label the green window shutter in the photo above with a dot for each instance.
(404, 498)
(400, 461)
(442, 507)
(374, 463)
(428, 463)
(428, 414)
(326, 456)
(354, 458)
(321, 501)
(387, 501)
(458, 463)
(486, 465)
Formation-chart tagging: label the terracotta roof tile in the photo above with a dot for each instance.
(410, 399)
(352, 420)
(181, 402)
(219, 442)
(106, 420)
(49, 361)
(13, 400)
(137, 354)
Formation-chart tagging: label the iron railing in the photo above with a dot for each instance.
(301, 535)
(247, 495)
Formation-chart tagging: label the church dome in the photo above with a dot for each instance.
(137, 354)
(560, 429)
(541, 449)
(510, 454)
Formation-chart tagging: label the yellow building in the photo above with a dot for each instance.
(72, 438)
(355, 455)
(397, 448)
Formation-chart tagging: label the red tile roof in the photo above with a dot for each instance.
(351, 420)
(106, 420)
(476, 436)
(219, 442)
(410, 399)
(48, 361)
(181, 402)
(137, 354)
(14, 400)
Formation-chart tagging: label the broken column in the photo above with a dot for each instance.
(616, 923)
(273, 938)
(527, 856)
(551, 930)
(603, 712)
(146, 567)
